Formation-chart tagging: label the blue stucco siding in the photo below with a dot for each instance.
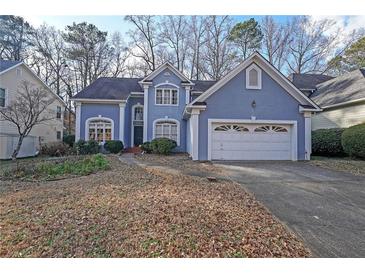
(128, 119)
(171, 112)
(233, 101)
(110, 111)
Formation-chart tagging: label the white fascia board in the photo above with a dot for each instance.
(303, 109)
(160, 69)
(97, 101)
(4, 71)
(345, 103)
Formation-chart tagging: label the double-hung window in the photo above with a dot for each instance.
(59, 112)
(2, 97)
(166, 96)
(166, 129)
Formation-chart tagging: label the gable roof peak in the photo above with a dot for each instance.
(159, 69)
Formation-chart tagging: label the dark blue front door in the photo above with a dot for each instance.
(138, 135)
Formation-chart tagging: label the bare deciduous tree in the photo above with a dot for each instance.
(197, 39)
(174, 32)
(28, 109)
(144, 39)
(312, 43)
(275, 41)
(218, 55)
(120, 54)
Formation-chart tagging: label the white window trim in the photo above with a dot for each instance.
(175, 87)
(59, 118)
(88, 120)
(6, 97)
(293, 131)
(132, 119)
(259, 77)
(167, 120)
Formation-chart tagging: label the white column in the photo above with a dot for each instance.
(308, 134)
(187, 94)
(78, 121)
(145, 112)
(121, 122)
(194, 121)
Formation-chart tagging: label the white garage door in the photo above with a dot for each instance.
(251, 142)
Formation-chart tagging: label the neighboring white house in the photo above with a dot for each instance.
(12, 74)
(342, 99)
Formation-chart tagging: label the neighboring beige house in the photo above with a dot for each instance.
(342, 99)
(12, 74)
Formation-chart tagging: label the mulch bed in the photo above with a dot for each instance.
(131, 211)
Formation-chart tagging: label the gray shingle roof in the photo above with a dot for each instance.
(110, 88)
(344, 88)
(5, 64)
(308, 81)
(202, 85)
(120, 88)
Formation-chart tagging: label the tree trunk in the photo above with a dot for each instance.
(16, 150)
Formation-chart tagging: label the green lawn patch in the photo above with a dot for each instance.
(61, 168)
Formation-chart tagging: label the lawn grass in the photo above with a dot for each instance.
(53, 169)
(344, 164)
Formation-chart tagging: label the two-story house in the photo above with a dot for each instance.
(253, 113)
(12, 75)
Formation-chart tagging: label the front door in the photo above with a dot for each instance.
(138, 135)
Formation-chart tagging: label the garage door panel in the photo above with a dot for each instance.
(258, 142)
(260, 146)
(253, 155)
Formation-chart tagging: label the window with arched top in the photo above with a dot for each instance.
(253, 77)
(99, 129)
(167, 129)
(237, 128)
(270, 129)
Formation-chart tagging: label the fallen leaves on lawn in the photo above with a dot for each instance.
(130, 211)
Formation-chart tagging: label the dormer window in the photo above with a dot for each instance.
(253, 77)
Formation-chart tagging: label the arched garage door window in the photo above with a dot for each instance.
(100, 129)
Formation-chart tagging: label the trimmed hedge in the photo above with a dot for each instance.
(89, 147)
(69, 139)
(56, 149)
(146, 147)
(162, 146)
(327, 142)
(353, 141)
(114, 146)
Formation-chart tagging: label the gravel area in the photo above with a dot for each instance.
(131, 211)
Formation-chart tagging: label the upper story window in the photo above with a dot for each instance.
(253, 77)
(138, 113)
(59, 112)
(166, 96)
(2, 97)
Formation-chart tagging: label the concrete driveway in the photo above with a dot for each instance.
(324, 207)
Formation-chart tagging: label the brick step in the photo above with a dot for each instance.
(135, 150)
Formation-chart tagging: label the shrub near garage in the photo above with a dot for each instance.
(353, 141)
(162, 145)
(327, 142)
(114, 146)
